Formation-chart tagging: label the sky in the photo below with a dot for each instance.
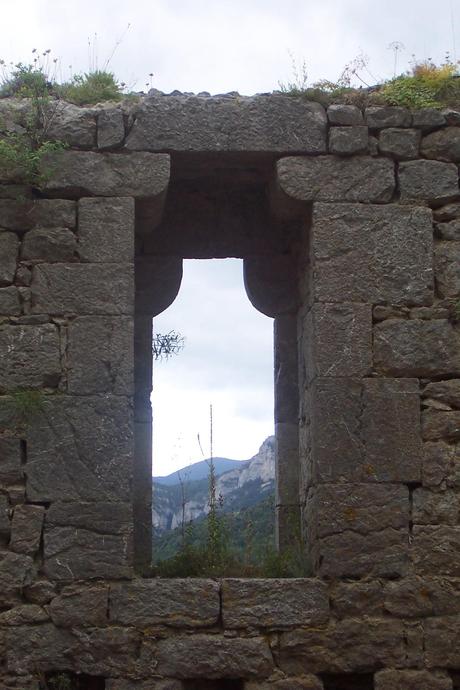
(249, 46)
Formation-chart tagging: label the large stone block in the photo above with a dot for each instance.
(274, 604)
(278, 124)
(10, 301)
(83, 289)
(442, 642)
(361, 508)
(80, 449)
(391, 430)
(100, 355)
(332, 179)
(434, 508)
(77, 554)
(343, 647)
(213, 656)
(78, 606)
(430, 181)
(9, 249)
(349, 140)
(47, 213)
(85, 173)
(97, 652)
(175, 603)
(71, 124)
(445, 392)
(372, 253)
(11, 469)
(402, 144)
(110, 128)
(16, 571)
(378, 116)
(26, 529)
(443, 145)
(440, 468)
(337, 340)
(339, 114)
(435, 550)
(412, 680)
(49, 245)
(106, 230)
(30, 357)
(356, 599)
(416, 348)
(447, 268)
(441, 424)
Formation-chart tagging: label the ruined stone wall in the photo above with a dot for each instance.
(367, 207)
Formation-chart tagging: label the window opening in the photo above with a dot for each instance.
(227, 361)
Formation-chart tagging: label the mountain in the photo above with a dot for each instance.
(245, 485)
(198, 470)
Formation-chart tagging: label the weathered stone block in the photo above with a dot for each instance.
(443, 145)
(77, 554)
(286, 369)
(5, 524)
(412, 680)
(100, 355)
(345, 646)
(435, 550)
(350, 554)
(362, 508)
(372, 254)
(85, 173)
(347, 141)
(106, 230)
(391, 430)
(105, 517)
(432, 181)
(9, 248)
(175, 603)
(23, 615)
(431, 508)
(80, 449)
(30, 357)
(378, 117)
(110, 128)
(356, 599)
(98, 652)
(442, 642)
(428, 118)
(332, 179)
(11, 470)
(447, 212)
(71, 124)
(47, 213)
(26, 529)
(445, 392)
(449, 230)
(279, 124)
(40, 592)
(16, 571)
(83, 289)
(337, 340)
(416, 348)
(402, 144)
(81, 607)
(274, 603)
(10, 301)
(441, 424)
(50, 245)
(447, 268)
(439, 466)
(339, 114)
(213, 656)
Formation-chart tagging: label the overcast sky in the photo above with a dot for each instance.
(220, 46)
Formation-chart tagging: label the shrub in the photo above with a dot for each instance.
(426, 86)
(91, 88)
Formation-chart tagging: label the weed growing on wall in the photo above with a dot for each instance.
(20, 407)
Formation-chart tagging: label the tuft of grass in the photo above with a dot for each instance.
(91, 88)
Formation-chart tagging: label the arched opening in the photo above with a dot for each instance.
(227, 362)
(209, 217)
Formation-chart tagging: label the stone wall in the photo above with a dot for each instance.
(349, 225)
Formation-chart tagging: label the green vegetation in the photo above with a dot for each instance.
(243, 547)
(425, 85)
(89, 89)
(20, 407)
